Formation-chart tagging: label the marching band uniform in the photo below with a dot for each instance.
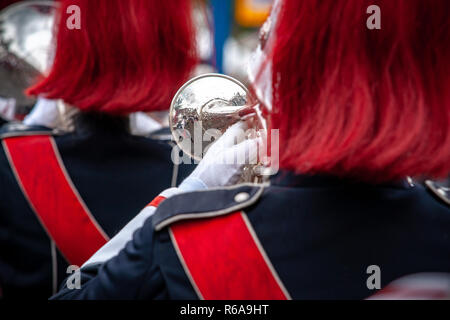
(69, 183)
(277, 241)
(100, 169)
(314, 235)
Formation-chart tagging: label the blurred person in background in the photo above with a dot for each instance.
(26, 52)
(7, 104)
(66, 191)
(358, 111)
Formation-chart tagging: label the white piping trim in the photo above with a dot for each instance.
(25, 194)
(25, 134)
(210, 214)
(264, 255)
(75, 191)
(185, 267)
(236, 186)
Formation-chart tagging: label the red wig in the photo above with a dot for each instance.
(366, 104)
(127, 56)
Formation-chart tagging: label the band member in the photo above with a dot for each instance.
(358, 111)
(66, 191)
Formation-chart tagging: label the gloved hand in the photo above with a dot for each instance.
(44, 113)
(223, 162)
(219, 167)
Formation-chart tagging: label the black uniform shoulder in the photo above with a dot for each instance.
(17, 129)
(206, 204)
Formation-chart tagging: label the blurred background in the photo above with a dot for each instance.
(235, 28)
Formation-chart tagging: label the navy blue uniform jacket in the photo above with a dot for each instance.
(320, 233)
(115, 173)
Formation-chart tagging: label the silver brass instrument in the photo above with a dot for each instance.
(26, 30)
(210, 103)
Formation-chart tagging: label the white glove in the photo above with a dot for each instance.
(45, 113)
(223, 162)
(221, 165)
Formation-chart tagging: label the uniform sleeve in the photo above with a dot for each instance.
(132, 274)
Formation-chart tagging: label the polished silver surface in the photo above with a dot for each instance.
(26, 32)
(205, 107)
(207, 102)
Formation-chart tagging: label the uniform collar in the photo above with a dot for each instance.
(290, 179)
(88, 122)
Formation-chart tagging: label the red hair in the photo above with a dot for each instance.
(366, 104)
(128, 55)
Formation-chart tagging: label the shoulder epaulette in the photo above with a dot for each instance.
(206, 204)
